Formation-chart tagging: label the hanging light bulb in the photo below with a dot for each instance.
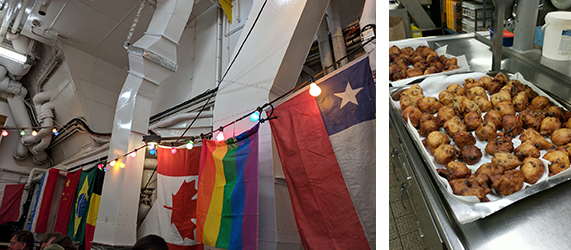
(4, 133)
(133, 154)
(255, 116)
(112, 163)
(120, 164)
(220, 136)
(314, 90)
(34, 133)
(189, 145)
(55, 131)
(23, 133)
(152, 145)
(173, 150)
(152, 151)
(100, 166)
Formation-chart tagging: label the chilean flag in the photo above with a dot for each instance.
(326, 146)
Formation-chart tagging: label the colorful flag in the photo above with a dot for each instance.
(227, 207)
(80, 208)
(11, 198)
(93, 209)
(43, 201)
(66, 201)
(173, 215)
(326, 146)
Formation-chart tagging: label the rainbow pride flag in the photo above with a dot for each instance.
(227, 202)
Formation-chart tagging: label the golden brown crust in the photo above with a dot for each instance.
(507, 161)
(470, 154)
(549, 125)
(553, 111)
(429, 105)
(446, 112)
(486, 132)
(536, 139)
(454, 170)
(435, 139)
(490, 169)
(413, 114)
(505, 108)
(454, 125)
(531, 119)
(444, 154)
(539, 103)
(456, 89)
(463, 139)
(526, 150)
(520, 101)
(493, 116)
(483, 103)
(446, 97)
(473, 120)
(512, 125)
(559, 161)
(428, 123)
(561, 136)
(509, 182)
(500, 144)
(469, 187)
(532, 169)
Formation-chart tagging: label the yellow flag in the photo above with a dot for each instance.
(227, 8)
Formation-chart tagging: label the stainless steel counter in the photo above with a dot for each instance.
(541, 221)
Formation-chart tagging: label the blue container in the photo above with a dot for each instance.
(508, 40)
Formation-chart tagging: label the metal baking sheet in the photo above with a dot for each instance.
(414, 43)
(468, 208)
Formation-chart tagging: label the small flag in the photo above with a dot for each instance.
(66, 201)
(93, 208)
(227, 208)
(80, 208)
(43, 201)
(11, 198)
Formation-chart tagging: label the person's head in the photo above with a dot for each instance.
(23, 240)
(65, 242)
(48, 238)
(151, 242)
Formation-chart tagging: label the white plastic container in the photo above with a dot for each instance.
(557, 39)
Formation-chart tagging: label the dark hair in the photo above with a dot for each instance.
(151, 242)
(47, 236)
(25, 237)
(65, 242)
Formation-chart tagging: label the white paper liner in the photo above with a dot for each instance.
(462, 62)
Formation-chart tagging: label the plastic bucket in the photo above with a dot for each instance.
(557, 39)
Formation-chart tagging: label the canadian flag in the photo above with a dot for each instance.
(173, 215)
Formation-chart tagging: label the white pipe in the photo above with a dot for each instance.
(180, 118)
(19, 43)
(44, 7)
(324, 46)
(150, 163)
(14, 29)
(31, 176)
(337, 38)
(7, 19)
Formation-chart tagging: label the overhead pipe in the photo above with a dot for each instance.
(31, 176)
(44, 7)
(180, 118)
(8, 19)
(14, 33)
(44, 109)
(339, 48)
(324, 45)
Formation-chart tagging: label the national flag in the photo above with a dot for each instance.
(43, 201)
(326, 146)
(173, 215)
(78, 217)
(93, 209)
(11, 201)
(227, 208)
(66, 201)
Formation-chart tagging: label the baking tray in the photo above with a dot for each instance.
(414, 43)
(469, 208)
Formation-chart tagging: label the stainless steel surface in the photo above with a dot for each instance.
(525, 21)
(498, 35)
(540, 221)
(418, 14)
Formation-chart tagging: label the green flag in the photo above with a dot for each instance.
(78, 216)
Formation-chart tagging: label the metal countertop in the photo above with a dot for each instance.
(541, 221)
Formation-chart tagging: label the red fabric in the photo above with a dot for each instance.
(323, 209)
(89, 232)
(10, 208)
(66, 201)
(193, 247)
(42, 220)
(168, 163)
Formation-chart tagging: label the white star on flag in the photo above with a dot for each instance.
(350, 95)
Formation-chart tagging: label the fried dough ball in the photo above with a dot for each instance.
(468, 106)
(536, 139)
(500, 96)
(567, 124)
(407, 50)
(446, 97)
(495, 87)
(566, 148)
(407, 101)
(451, 67)
(486, 80)
(456, 89)
(463, 139)
(432, 58)
(530, 92)
(507, 161)
(454, 125)
(475, 91)
(414, 90)
(435, 139)
(426, 51)
(421, 66)
(490, 169)
(520, 101)
(561, 136)
(493, 116)
(548, 125)
(483, 103)
(457, 103)
(469, 187)
(417, 59)
(451, 62)
(470, 154)
(472, 84)
(512, 125)
(501, 77)
(472, 120)
(413, 114)
(432, 70)
(486, 132)
(446, 112)
(509, 182)
(394, 50)
(413, 72)
(429, 105)
(559, 161)
(444, 154)
(566, 116)
(443, 58)
(505, 108)
(554, 111)
(531, 119)
(483, 180)
(454, 170)
(428, 123)
(526, 150)
(395, 73)
(532, 170)
(501, 144)
(514, 87)
(539, 103)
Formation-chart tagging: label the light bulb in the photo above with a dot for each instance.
(152, 145)
(121, 165)
(34, 133)
(314, 90)
(100, 166)
(173, 150)
(220, 136)
(23, 133)
(255, 116)
(55, 131)
(4, 133)
(133, 154)
(112, 163)
(189, 145)
(152, 151)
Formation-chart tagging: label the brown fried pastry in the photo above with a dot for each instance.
(553, 111)
(526, 150)
(456, 89)
(566, 124)
(414, 72)
(566, 115)
(432, 58)
(453, 125)
(531, 119)
(566, 148)
(483, 103)
(490, 169)
(446, 112)
(507, 161)
(421, 66)
(509, 182)
(500, 96)
(457, 103)
(451, 62)
(536, 139)
(493, 116)
(394, 50)
(427, 51)
(468, 105)
(559, 161)
(520, 101)
(435, 139)
(428, 123)
(532, 170)
(444, 154)
(505, 108)
(407, 101)
(539, 103)
(475, 91)
(473, 120)
(446, 97)
(443, 58)
(498, 145)
(413, 114)
(561, 136)
(432, 70)
(486, 80)
(469, 187)
(437, 64)
(548, 125)
(463, 139)
(451, 67)
(501, 77)
(486, 132)
(454, 170)
(530, 92)
(429, 105)
(470, 154)
(514, 87)
(418, 59)
(512, 125)
(472, 84)
(395, 73)
(494, 87)
(407, 50)
(414, 91)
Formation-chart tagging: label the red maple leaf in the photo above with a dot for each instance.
(184, 209)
